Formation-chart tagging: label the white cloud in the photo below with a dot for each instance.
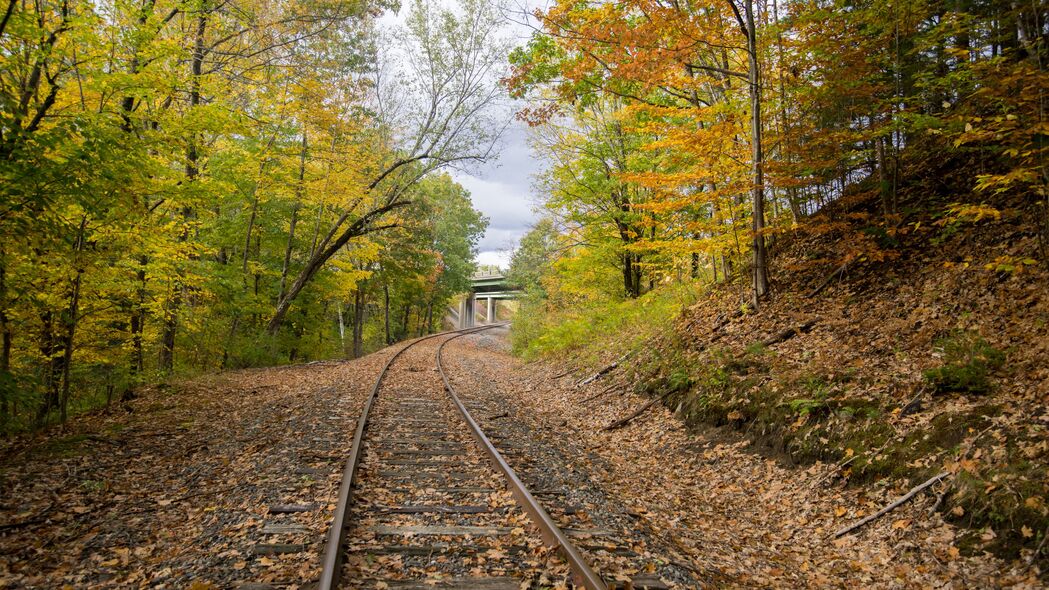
(500, 259)
(502, 190)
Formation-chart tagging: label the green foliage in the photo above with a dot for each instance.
(534, 258)
(162, 208)
(621, 325)
(816, 403)
(968, 362)
(757, 349)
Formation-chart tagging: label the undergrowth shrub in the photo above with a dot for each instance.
(598, 325)
(968, 362)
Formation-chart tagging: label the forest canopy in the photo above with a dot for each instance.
(202, 184)
(685, 138)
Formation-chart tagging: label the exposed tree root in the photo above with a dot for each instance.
(600, 393)
(823, 285)
(564, 374)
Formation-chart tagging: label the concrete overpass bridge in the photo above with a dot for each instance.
(488, 288)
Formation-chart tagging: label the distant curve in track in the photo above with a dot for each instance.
(335, 551)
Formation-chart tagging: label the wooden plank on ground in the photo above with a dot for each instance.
(427, 475)
(436, 530)
(585, 533)
(457, 584)
(440, 548)
(649, 583)
(290, 508)
(278, 548)
(422, 442)
(274, 528)
(439, 509)
(445, 490)
(418, 463)
(423, 452)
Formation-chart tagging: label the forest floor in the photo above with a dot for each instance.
(741, 518)
(172, 490)
(921, 356)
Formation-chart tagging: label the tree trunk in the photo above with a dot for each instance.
(233, 325)
(257, 276)
(403, 332)
(386, 311)
(329, 247)
(761, 282)
(138, 318)
(294, 220)
(50, 350)
(358, 321)
(342, 325)
(627, 283)
(251, 224)
(71, 321)
(167, 337)
(631, 275)
(637, 275)
(171, 311)
(287, 252)
(427, 322)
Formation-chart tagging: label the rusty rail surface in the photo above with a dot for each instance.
(583, 574)
(331, 564)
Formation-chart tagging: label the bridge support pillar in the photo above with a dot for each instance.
(468, 316)
(489, 316)
(466, 312)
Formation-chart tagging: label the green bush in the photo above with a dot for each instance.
(968, 363)
(594, 327)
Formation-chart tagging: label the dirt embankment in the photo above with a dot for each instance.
(930, 355)
(737, 518)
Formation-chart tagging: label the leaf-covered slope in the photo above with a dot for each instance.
(925, 353)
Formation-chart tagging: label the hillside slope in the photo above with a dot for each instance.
(929, 355)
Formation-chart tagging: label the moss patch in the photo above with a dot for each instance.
(969, 361)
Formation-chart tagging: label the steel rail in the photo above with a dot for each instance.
(331, 563)
(583, 574)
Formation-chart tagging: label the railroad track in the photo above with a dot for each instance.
(427, 501)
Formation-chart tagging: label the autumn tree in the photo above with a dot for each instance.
(169, 169)
(437, 112)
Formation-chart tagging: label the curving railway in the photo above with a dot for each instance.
(428, 500)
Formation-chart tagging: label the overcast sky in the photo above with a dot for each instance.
(501, 189)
